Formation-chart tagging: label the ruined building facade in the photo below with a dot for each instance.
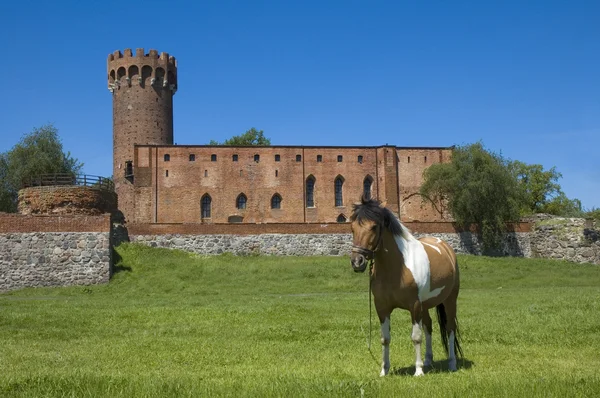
(158, 182)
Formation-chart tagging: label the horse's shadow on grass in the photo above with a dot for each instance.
(436, 367)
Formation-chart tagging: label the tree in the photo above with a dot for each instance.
(39, 152)
(478, 188)
(250, 137)
(561, 205)
(538, 186)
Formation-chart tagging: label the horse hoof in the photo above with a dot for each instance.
(452, 366)
(428, 362)
(419, 372)
(383, 373)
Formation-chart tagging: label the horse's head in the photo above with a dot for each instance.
(367, 228)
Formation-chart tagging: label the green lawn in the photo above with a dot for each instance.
(174, 324)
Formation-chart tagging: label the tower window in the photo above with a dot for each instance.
(240, 203)
(257, 158)
(234, 158)
(360, 159)
(339, 199)
(409, 159)
(310, 190)
(205, 205)
(319, 158)
(276, 173)
(341, 218)
(213, 158)
(128, 168)
(192, 157)
(276, 202)
(368, 181)
(298, 158)
(205, 173)
(340, 158)
(167, 157)
(277, 158)
(425, 159)
(166, 173)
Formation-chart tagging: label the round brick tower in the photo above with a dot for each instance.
(142, 86)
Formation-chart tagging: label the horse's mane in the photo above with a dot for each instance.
(371, 210)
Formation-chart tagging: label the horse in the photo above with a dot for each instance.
(415, 275)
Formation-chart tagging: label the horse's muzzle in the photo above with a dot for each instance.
(359, 262)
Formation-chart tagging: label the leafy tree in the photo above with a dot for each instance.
(562, 206)
(39, 152)
(250, 137)
(479, 188)
(538, 186)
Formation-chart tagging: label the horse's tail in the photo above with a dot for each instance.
(442, 321)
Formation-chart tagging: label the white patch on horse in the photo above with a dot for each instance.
(433, 247)
(417, 262)
(385, 341)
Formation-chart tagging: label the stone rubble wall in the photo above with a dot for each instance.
(54, 259)
(571, 239)
(517, 244)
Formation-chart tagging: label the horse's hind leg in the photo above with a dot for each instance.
(417, 336)
(450, 307)
(427, 328)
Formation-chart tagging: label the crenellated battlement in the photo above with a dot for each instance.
(151, 68)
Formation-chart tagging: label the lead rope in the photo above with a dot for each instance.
(370, 304)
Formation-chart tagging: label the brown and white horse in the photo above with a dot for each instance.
(407, 273)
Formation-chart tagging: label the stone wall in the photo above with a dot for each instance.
(517, 244)
(53, 259)
(571, 239)
(54, 250)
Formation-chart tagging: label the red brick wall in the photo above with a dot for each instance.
(17, 223)
(171, 191)
(412, 162)
(142, 112)
(178, 195)
(290, 228)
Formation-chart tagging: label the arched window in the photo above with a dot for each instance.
(341, 218)
(205, 206)
(310, 191)
(192, 157)
(367, 183)
(240, 202)
(339, 198)
(276, 201)
(167, 157)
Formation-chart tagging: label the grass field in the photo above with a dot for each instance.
(174, 324)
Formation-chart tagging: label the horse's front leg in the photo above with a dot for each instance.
(386, 337)
(416, 336)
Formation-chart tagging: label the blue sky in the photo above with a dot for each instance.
(523, 77)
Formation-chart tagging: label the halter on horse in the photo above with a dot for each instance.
(407, 273)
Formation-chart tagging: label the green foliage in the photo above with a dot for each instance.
(538, 186)
(250, 137)
(39, 152)
(171, 324)
(478, 188)
(561, 205)
(593, 213)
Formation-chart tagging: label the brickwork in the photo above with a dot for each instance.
(171, 191)
(17, 223)
(142, 86)
(412, 164)
(66, 200)
(420, 228)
